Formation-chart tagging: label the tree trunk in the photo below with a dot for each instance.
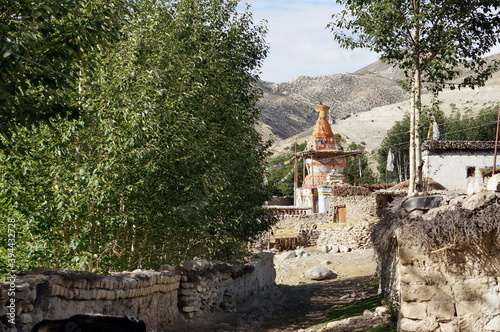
(415, 183)
(411, 185)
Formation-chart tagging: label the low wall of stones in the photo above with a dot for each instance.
(345, 238)
(457, 290)
(58, 294)
(212, 287)
(320, 231)
(158, 297)
(441, 264)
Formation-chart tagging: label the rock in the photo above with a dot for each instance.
(319, 273)
(448, 197)
(286, 255)
(223, 327)
(335, 324)
(422, 203)
(367, 314)
(167, 267)
(474, 186)
(494, 324)
(381, 311)
(299, 252)
(26, 319)
(344, 248)
(327, 262)
(478, 200)
(494, 183)
(197, 263)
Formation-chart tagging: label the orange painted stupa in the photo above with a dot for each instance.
(323, 155)
(322, 137)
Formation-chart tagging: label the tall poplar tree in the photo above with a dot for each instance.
(164, 162)
(429, 40)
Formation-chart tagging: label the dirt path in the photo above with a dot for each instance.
(297, 303)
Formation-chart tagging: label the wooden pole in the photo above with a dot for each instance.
(496, 144)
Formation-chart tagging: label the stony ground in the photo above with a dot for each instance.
(297, 303)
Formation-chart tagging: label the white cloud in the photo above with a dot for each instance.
(299, 42)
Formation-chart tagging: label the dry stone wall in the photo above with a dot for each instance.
(212, 287)
(357, 207)
(157, 297)
(57, 294)
(444, 262)
(319, 230)
(450, 291)
(344, 238)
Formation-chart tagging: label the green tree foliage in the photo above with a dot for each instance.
(480, 127)
(45, 48)
(357, 170)
(280, 173)
(428, 39)
(164, 162)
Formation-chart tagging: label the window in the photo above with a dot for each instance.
(471, 171)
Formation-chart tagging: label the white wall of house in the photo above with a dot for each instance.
(451, 168)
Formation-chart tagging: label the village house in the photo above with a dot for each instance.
(457, 164)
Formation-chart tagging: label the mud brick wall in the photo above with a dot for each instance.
(157, 297)
(147, 295)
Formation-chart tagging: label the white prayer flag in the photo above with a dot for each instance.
(435, 130)
(390, 161)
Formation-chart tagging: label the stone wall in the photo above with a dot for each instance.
(157, 297)
(458, 290)
(357, 207)
(356, 236)
(212, 287)
(321, 231)
(57, 294)
(441, 264)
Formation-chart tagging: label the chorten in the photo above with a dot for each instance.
(324, 158)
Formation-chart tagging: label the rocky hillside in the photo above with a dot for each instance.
(287, 107)
(364, 105)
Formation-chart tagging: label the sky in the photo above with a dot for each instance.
(300, 43)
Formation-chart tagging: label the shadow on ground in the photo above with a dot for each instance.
(287, 308)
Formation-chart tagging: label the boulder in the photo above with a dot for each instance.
(381, 311)
(286, 255)
(319, 273)
(299, 252)
(422, 203)
(474, 186)
(197, 263)
(494, 183)
(367, 314)
(344, 248)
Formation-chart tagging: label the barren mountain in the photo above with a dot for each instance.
(364, 105)
(287, 107)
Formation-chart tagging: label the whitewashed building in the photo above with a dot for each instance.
(454, 164)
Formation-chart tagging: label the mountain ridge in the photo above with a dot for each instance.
(360, 114)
